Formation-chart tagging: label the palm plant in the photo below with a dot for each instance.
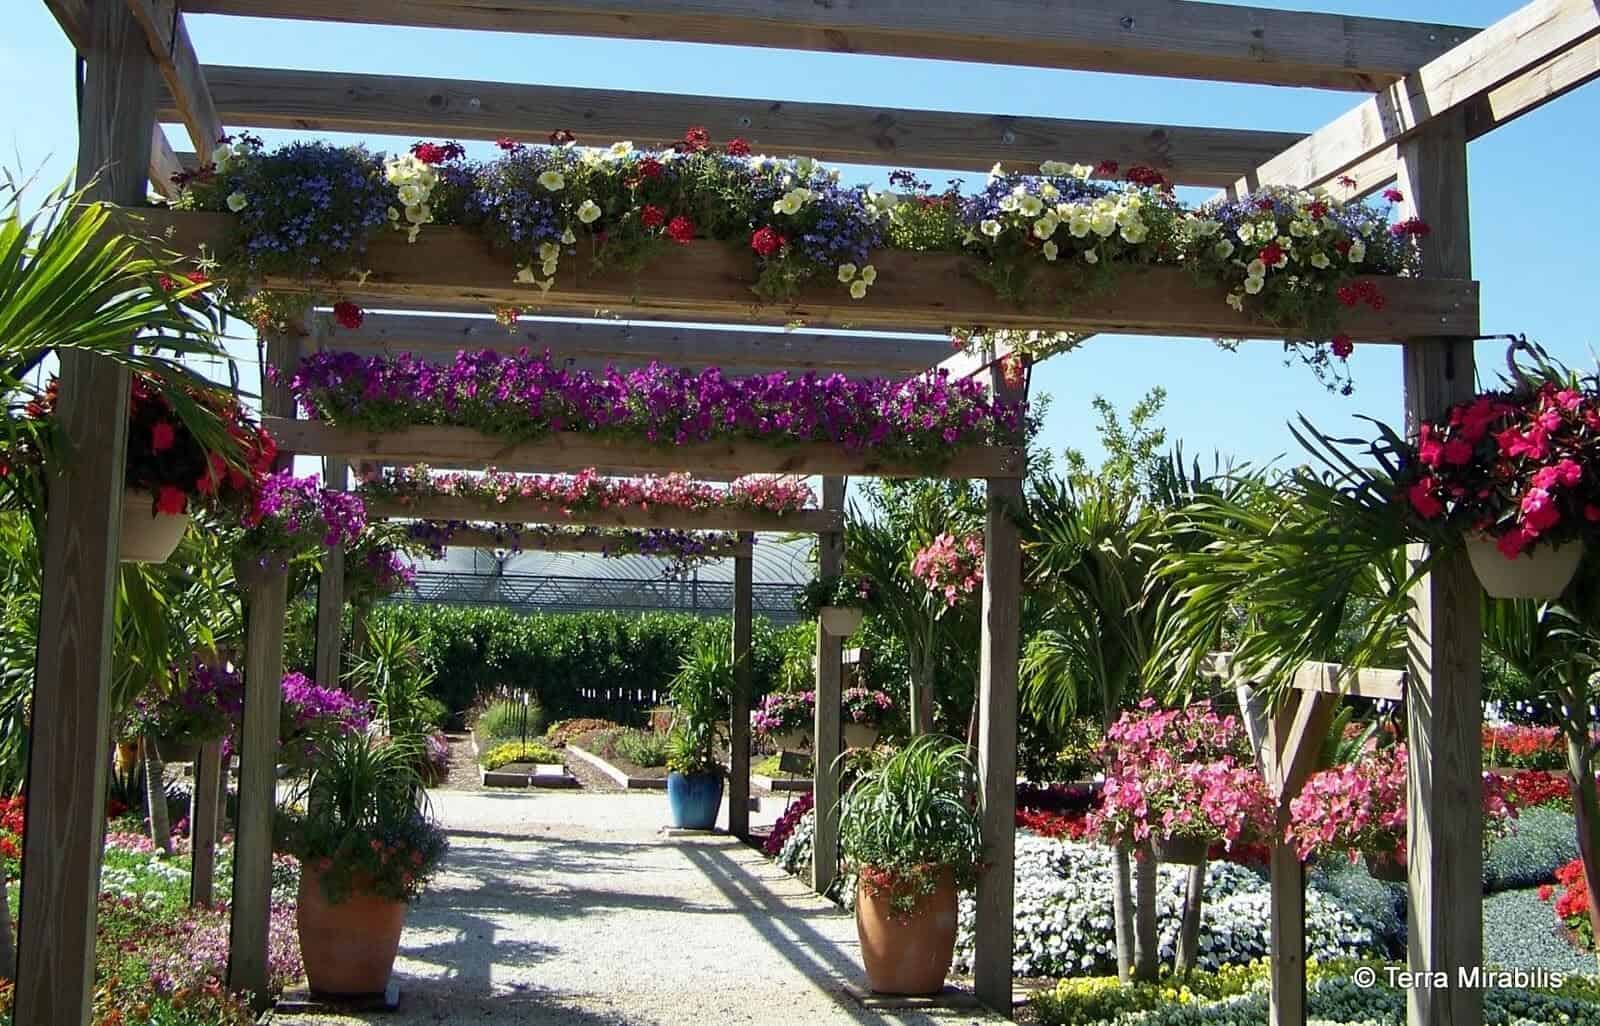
(394, 679)
(700, 695)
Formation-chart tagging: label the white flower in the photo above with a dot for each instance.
(525, 275)
(549, 251)
(869, 274)
(1051, 251)
(619, 150)
(549, 267)
(1319, 260)
(1009, 203)
(990, 227)
(1255, 268)
(589, 212)
(1358, 251)
(847, 271)
(1223, 249)
(1046, 226)
(995, 172)
(804, 166)
(1082, 171)
(1079, 225)
(394, 215)
(858, 289)
(411, 195)
(567, 238)
(1299, 229)
(419, 214)
(1103, 223)
(1254, 284)
(1135, 233)
(222, 156)
(1049, 191)
(1236, 300)
(1091, 257)
(553, 181)
(1247, 233)
(237, 201)
(1030, 206)
(1053, 168)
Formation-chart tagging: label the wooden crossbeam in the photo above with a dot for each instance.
(708, 281)
(1369, 682)
(400, 105)
(1531, 39)
(533, 541)
(527, 511)
(1149, 37)
(463, 447)
(639, 343)
(188, 97)
(1297, 733)
(163, 163)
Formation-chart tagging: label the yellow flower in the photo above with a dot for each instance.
(858, 289)
(847, 271)
(1082, 171)
(553, 181)
(589, 212)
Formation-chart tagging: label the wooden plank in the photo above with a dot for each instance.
(708, 281)
(1522, 41)
(163, 163)
(524, 511)
(1148, 37)
(73, 17)
(188, 99)
(826, 728)
(330, 590)
(70, 721)
(1443, 699)
(1369, 682)
(999, 651)
(1287, 939)
(1298, 734)
(532, 541)
(205, 818)
(567, 452)
(399, 105)
(638, 343)
(739, 714)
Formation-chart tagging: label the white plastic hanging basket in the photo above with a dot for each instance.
(860, 735)
(1542, 572)
(841, 621)
(148, 536)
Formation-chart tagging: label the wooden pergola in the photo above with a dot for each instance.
(1424, 92)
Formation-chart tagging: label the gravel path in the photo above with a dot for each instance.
(573, 908)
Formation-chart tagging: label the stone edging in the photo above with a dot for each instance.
(617, 776)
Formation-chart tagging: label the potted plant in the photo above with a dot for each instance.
(786, 718)
(366, 849)
(288, 517)
(309, 713)
(838, 601)
(1178, 783)
(700, 696)
(378, 563)
(909, 826)
(1516, 472)
(204, 706)
(864, 712)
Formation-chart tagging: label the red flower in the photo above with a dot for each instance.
(1347, 181)
(1539, 512)
(1422, 499)
(766, 241)
(737, 147)
(1410, 226)
(650, 167)
(1393, 195)
(1106, 169)
(1591, 513)
(681, 230)
(1513, 542)
(562, 136)
(1429, 449)
(1458, 452)
(197, 277)
(1271, 254)
(171, 500)
(162, 436)
(348, 315)
(652, 216)
(437, 153)
(166, 283)
(1139, 174)
(1265, 203)
(510, 145)
(1318, 210)
(695, 140)
(1342, 346)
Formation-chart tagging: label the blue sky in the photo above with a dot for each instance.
(1534, 218)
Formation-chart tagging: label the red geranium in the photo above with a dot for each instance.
(348, 315)
(766, 241)
(652, 216)
(695, 140)
(437, 153)
(681, 230)
(738, 147)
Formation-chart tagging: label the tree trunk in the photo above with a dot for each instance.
(1586, 810)
(358, 646)
(155, 796)
(1147, 940)
(8, 944)
(922, 697)
(1194, 896)
(1122, 914)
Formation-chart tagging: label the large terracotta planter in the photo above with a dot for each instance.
(348, 948)
(860, 735)
(1543, 572)
(148, 536)
(841, 621)
(907, 952)
(1179, 851)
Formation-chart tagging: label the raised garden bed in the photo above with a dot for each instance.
(520, 774)
(620, 776)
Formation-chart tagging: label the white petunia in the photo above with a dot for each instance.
(858, 289)
(1103, 223)
(869, 274)
(1046, 226)
(410, 195)
(1053, 168)
(1091, 257)
(553, 181)
(237, 201)
(549, 251)
(1254, 284)
(1236, 300)
(1079, 225)
(619, 150)
(1223, 249)
(1358, 251)
(589, 212)
(995, 172)
(1030, 206)
(1255, 268)
(394, 215)
(1135, 233)
(1009, 203)
(549, 267)
(1051, 251)
(525, 275)
(1082, 171)
(567, 238)
(990, 227)
(1319, 260)
(847, 271)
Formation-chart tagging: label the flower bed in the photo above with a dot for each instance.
(1523, 747)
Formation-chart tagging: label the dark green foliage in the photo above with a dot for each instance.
(1545, 839)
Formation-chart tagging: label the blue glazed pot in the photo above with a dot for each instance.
(694, 800)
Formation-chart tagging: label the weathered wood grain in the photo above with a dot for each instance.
(188, 98)
(1370, 682)
(205, 817)
(330, 590)
(529, 541)
(163, 163)
(826, 726)
(70, 720)
(739, 711)
(466, 448)
(708, 281)
(527, 511)
(1149, 37)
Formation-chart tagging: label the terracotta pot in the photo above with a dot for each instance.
(148, 536)
(860, 735)
(1385, 866)
(1179, 851)
(907, 952)
(841, 620)
(348, 948)
(1542, 572)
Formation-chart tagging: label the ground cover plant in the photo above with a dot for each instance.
(517, 753)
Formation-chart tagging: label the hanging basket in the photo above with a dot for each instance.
(1385, 865)
(177, 748)
(148, 536)
(1179, 851)
(841, 621)
(793, 740)
(1542, 572)
(860, 735)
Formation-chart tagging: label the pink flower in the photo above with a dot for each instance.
(1539, 512)
(1422, 499)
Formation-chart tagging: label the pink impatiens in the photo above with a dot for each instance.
(951, 568)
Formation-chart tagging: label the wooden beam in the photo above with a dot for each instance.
(534, 541)
(188, 98)
(708, 281)
(1286, 996)
(1141, 37)
(73, 17)
(639, 343)
(330, 591)
(163, 163)
(1298, 734)
(1370, 682)
(464, 447)
(70, 720)
(739, 713)
(826, 732)
(999, 652)
(525, 511)
(1523, 41)
(205, 818)
(397, 105)
(1444, 714)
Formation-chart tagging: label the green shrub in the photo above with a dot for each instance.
(1544, 840)
(503, 718)
(516, 751)
(645, 748)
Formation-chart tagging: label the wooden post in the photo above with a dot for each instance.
(1444, 689)
(997, 728)
(70, 724)
(205, 813)
(1287, 939)
(739, 764)
(826, 740)
(330, 589)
